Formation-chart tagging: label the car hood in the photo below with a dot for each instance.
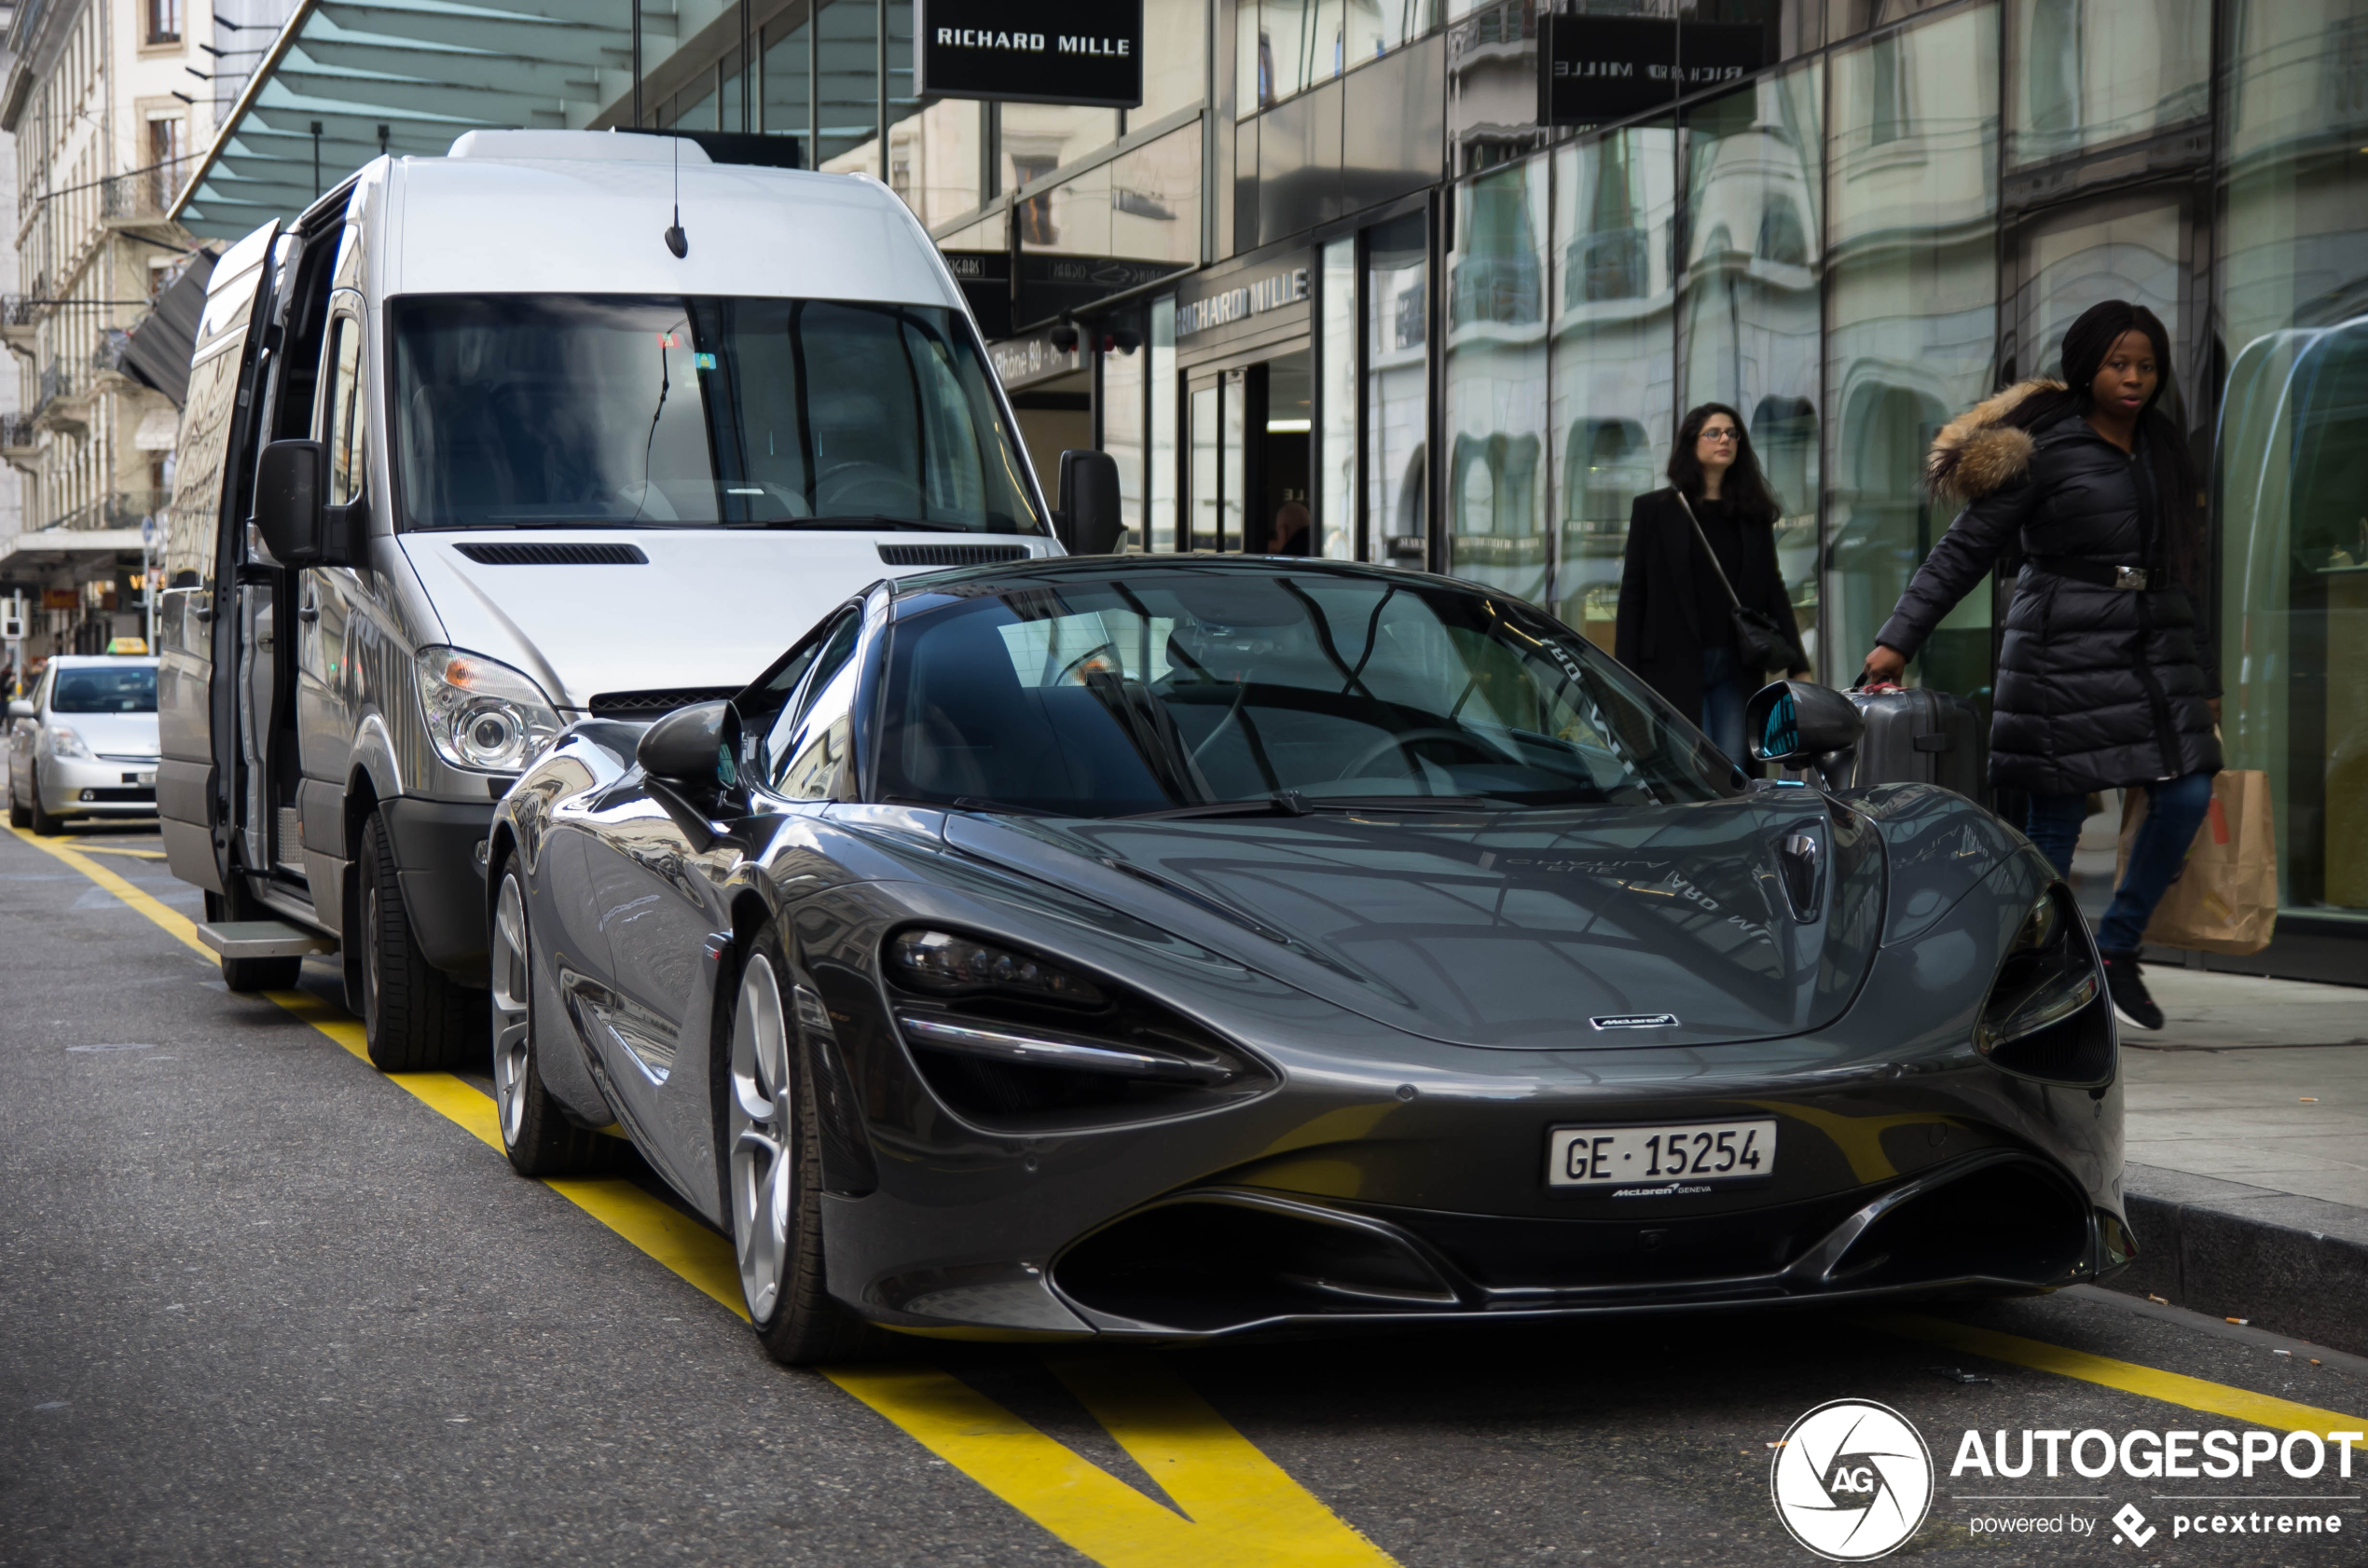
(113, 734)
(1519, 931)
(709, 607)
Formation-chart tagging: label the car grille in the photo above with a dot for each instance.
(650, 705)
(554, 554)
(950, 555)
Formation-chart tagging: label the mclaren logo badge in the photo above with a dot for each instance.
(1634, 1021)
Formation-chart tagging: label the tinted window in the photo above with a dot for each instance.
(524, 409)
(1151, 688)
(106, 689)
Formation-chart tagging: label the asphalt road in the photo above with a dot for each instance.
(259, 1304)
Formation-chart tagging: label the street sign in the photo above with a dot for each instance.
(1030, 51)
(1593, 69)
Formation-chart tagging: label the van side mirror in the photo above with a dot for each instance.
(287, 501)
(1090, 520)
(692, 748)
(1792, 723)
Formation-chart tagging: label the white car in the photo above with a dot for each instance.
(85, 744)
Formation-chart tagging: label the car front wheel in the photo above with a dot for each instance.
(773, 1174)
(536, 1133)
(17, 815)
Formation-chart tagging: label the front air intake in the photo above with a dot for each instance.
(950, 555)
(554, 554)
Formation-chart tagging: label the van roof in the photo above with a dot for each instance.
(586, 212)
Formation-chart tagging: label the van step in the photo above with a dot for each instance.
(264, 939)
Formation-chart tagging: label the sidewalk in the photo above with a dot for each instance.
(2248, 1152)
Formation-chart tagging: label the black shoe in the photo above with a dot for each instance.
(2130, 1002)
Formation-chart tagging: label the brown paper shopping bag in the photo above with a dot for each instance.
(2225, 900)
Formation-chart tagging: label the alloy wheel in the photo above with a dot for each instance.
(512, 1032)
(763, 1179)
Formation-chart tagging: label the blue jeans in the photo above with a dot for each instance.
(2174, 810)
(1725, 691)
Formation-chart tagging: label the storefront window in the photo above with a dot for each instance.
(1397, 387)
(1122, 435)
(1038, 138)
(1206, 520)
(2085, 72)
(1144, 205)
(1283, 48)
(1611, 294)
(1336, 444)
(1911, 319)
(1496, 381)
(1748, 302)
(848, 69)
(1161, 441)
(2291, 466)
(786, 101)
(2125, 249)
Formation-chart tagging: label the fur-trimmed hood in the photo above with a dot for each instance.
(1977, 452)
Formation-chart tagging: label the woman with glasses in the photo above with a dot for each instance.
(1695, 552)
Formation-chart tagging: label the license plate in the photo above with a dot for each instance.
(1656, 1160)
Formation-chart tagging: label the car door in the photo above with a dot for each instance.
(195, 712)
(24, 732)
(660, 898)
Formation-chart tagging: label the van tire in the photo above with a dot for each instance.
(415, 1018)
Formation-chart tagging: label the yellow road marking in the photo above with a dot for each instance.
(111, 849)
(1245, 1511)
(1240, 1510)
(2172, 1388)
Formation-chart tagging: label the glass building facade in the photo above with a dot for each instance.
(1429, 282)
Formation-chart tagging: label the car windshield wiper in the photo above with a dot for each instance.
(873, 522)
(967, 802)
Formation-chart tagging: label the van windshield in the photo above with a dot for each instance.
(551, 410)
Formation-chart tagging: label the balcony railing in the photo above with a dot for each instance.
(143, 195)
(16, 432)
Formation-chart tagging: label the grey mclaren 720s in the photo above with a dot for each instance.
(1176, 947)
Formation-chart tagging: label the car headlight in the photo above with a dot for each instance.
(2049, 974)
(63, 742)
(482, 714)
(947, 965)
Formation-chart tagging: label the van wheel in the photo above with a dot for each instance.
(17, 815)
(414, 1017)
(536, 1133)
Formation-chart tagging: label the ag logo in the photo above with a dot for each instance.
(1852, 1481)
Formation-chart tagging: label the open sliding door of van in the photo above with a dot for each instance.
(197, 624)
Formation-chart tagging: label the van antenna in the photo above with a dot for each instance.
(676, 240)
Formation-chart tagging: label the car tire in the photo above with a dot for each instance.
(17, 815)
(38, 816)
(415, 1018)
(770, 1148)
(536, 1133)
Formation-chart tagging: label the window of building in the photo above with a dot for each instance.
(164, 21)
(2086, 73)
(1398, 398)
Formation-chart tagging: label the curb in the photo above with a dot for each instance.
(2294, 1265)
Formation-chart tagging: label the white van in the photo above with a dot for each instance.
(564, 424)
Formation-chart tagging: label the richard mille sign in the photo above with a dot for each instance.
(1030, 51)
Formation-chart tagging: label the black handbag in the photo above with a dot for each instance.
(1760, 643)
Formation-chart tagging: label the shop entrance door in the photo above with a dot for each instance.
(1247, 476)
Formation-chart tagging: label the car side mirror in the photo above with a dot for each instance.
(19, 709)
(693, 748)
(1793, 723)
(1090, 520)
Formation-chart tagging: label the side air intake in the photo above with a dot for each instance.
(950, 555)
(554, 554)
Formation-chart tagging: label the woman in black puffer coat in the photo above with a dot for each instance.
(2102, 678)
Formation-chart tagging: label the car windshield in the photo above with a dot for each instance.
(1166, 688)
(533, 410)
(105, 689)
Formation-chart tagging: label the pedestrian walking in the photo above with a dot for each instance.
(1704, 615)
(2103, 679)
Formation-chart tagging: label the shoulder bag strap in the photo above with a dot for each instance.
(1703, 540)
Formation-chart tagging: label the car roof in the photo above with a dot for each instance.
(81, 661)
(962, 582)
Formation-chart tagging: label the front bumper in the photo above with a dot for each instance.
(96, 786)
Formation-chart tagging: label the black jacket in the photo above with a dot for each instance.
(1658, 634)
(2098, 687)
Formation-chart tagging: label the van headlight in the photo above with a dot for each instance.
(63, 742)
(482, 714)
(2048, 975)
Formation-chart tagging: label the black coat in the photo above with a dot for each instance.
(1658, 634)
(2098, 687)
